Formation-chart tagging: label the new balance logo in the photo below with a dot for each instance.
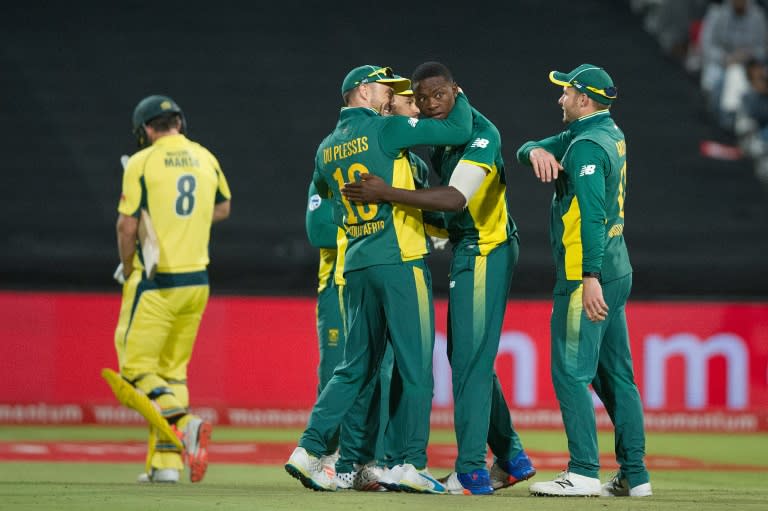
(587, 170)
(564, 482)
(482, 143)
(413, 121)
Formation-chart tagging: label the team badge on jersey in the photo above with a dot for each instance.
(314, 202)
(587, 170)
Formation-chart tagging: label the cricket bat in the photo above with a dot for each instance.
(150, 247)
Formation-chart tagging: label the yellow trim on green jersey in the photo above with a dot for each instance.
(341, 251)
(407, 220)
(325, 270)
(488, 209)
(437, 232)
(179, 182)
(572, 241)
(594, 114)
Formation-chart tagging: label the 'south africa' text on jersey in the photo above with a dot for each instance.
(365, 229)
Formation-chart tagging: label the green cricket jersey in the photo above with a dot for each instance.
(364, 141)
(434, 221)
(485, 223)
(322, 232)
(587, 217)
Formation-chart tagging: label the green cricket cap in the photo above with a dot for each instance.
(589, 79)
(370, 74)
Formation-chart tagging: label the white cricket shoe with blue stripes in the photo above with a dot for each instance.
(419, 481)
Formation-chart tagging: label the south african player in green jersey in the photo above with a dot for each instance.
(366, 443)
(485, 244)
(590, 343)
(389, 292)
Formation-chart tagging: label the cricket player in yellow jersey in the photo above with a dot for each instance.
(182, 187)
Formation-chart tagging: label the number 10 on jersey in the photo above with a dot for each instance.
(356, 212)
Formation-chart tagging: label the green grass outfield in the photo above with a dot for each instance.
(110, 486)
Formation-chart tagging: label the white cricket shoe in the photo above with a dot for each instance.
(330, 460)
(310, 471)
(618, 487)
(160, 475)
(568, 484)
(390, 478)
(452, 484)
(345, 480)
(367, 478)
(419, 481)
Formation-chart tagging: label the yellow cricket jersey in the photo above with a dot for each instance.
(179, 182)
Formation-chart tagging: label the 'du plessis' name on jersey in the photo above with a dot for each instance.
(345, 150)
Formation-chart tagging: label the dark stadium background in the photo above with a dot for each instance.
(259, 83)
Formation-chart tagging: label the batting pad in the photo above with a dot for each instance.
(132, 398)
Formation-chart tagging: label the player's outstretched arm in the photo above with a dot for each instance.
(465, 181)
(404, 132)
(371, 188)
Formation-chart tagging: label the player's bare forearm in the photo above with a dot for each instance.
(221, 211)
(369, 188)
(545, 165)
(372, 188)
(127, 229)
(439, 198)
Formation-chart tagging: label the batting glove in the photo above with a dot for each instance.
(118, 275)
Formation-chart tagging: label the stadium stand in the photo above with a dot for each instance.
(263, 82)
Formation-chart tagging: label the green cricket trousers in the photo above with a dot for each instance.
(477, 302)
(395, 301)
(585, 353)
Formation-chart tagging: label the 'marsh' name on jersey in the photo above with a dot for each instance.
(180, 159)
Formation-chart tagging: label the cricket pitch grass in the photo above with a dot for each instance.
(89, 467)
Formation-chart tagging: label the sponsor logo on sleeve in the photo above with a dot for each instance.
(482, 143)
(587, 170)
(413, 121)
(314, 202)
